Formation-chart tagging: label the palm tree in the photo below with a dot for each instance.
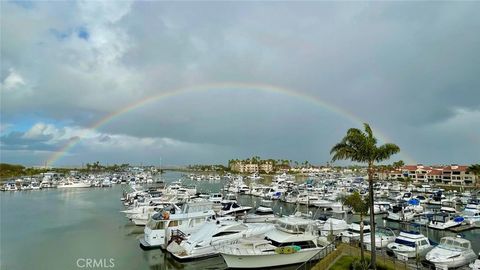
(359, 206)
(475, 169)
(398, 164)
(361, 146)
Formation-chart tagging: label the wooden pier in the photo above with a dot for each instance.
(463, 228)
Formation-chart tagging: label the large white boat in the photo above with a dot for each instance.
(294, 240)
(353, 232)
(335, 224)
(381, 207)
(452, 252)
(141, 219)
(383, 237)
(106, 182)
(476, 264)
(10, 186)
(443, 221)
(36, 185)
(330, 205)
(74, 184)
(233, 208)
(216, 198)
(261, 214)
(401, 213)
(158, 230)
(214, 233)
(409, 245)
(473, 204)
(471, 215)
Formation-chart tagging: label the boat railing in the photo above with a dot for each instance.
(234, 247)
(177, 236)
(322, 253)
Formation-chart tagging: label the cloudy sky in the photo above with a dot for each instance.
(72, 72)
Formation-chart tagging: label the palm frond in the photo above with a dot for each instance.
(385, 151)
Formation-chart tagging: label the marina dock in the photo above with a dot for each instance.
(464, 228)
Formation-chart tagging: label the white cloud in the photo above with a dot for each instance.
(13, 80)
(95, 140)
(42, 130)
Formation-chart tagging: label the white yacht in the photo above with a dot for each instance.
(473, 204)
(36, 185)
(330, 205)
(476, 264)
(141, 209)
(106, 182)
(353, 232)
(214, 233)
(243, 189)
(73, 184)
(335, 224)
(401, 213)
(294, 240)
(383, 237)
(158, 230)
(141, 219)
(452, 252)
(443, 221)
(261, 214)
(381, 207)
(10, 186)
(274, 193)
(233, 208)
(471, 215)
(409, 245)
(307, 199)
(448, 206)
(216, 198)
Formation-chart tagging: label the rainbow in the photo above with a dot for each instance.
(56, 156)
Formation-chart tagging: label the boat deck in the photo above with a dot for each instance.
(463, 228)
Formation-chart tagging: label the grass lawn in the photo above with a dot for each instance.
(343, 263)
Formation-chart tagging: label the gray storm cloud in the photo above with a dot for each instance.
(409, 69)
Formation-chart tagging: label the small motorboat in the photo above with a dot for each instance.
(452, 252)
(409, 245)
(443, 221)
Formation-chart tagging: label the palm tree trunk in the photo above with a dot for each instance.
(372, 216)
(362, 252)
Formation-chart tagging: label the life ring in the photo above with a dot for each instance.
(287, 250)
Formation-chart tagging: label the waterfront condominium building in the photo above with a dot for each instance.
(249, 167)
(446, 175)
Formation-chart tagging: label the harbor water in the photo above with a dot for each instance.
(62, 228)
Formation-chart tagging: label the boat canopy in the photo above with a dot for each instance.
(455, 242)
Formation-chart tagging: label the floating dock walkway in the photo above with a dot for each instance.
(463, 228)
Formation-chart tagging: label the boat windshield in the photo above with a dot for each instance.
(358, 231)
(293, 228)
(155, 225)
(405, 242)
(448, 242)
(227, 206)
(263, 213)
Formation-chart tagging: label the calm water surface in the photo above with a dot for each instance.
(53, 228)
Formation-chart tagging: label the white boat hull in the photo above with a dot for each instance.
(268, 260)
